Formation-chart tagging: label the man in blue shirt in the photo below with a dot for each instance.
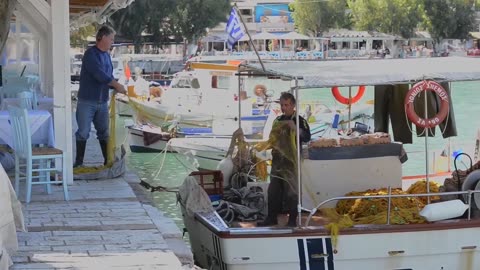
(96, 78)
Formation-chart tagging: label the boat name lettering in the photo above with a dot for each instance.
(415, 91)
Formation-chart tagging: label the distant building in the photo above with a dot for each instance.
(263, 16)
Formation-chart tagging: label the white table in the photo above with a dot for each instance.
(44, 103)
(11, 220)
(41, 126)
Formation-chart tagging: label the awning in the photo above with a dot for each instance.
(294, 36)
(475, 35)
(317, 74)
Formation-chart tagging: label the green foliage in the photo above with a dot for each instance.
(193, 17)
(131, 21)
(158, 24)
(449, 18)
(78, 38)
(398, 17)
(162, 19)
(317, 16)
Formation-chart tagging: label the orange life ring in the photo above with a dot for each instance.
(348, 101)
(444, 104)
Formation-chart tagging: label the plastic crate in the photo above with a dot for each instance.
(210, 181)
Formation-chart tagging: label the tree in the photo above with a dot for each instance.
(191, 18)
(397, 17)
(449, 18)
(162, 19)
(131, 21)
(314, 17)
(159, 25)
(79, 37)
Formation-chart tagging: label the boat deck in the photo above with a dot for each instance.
(239, 229)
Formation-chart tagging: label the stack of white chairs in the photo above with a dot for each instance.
(34, 162)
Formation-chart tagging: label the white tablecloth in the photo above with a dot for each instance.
(41, 126)
(45, 103)
(11, 220)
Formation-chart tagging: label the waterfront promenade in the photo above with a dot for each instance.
(107, 224)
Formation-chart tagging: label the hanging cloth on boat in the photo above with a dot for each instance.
(389, 105)
(448, 126)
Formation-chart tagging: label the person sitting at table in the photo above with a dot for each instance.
(96, 78)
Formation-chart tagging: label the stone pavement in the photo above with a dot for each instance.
(107, 224)
(103, 226)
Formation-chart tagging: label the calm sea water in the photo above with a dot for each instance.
(466, 103)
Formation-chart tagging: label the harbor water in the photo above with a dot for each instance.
(466, 104)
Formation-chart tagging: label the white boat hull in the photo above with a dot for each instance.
(420, 246)
(208, 151)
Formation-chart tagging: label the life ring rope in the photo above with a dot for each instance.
(419, 88)
(345, 100)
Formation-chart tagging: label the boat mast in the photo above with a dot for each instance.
(427, 133)
(299, 152)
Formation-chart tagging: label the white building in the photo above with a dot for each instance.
(263, 16)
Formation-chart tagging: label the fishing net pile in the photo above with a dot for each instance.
(403, 210)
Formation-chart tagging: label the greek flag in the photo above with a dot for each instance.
(234, 29)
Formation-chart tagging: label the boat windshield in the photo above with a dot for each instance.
(185, 82)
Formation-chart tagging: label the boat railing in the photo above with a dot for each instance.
(390, 196)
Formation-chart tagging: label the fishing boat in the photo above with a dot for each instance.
(326, 174)
(196, 97)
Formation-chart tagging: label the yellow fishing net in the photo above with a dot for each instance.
(421, 187)
(361, 208)
(405, 210)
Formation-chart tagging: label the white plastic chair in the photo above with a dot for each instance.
(26, 153)
(27, 100)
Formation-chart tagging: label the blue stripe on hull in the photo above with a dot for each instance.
(316, 254)
(301, 254)
(315, 251)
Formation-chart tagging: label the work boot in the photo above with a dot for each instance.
(103, 146)
(80, 153)
(269, 221)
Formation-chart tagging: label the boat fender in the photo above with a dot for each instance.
(226, 166)
(410, 108)
(347, 101)
(443, 210)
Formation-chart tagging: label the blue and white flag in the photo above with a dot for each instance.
(234, 29)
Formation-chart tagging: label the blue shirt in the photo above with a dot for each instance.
(95, 75)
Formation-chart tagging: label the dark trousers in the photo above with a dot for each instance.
(280, 191)
(389, 105)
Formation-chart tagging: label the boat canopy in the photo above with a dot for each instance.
(317, 74)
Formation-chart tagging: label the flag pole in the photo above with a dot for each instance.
(249, 37)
